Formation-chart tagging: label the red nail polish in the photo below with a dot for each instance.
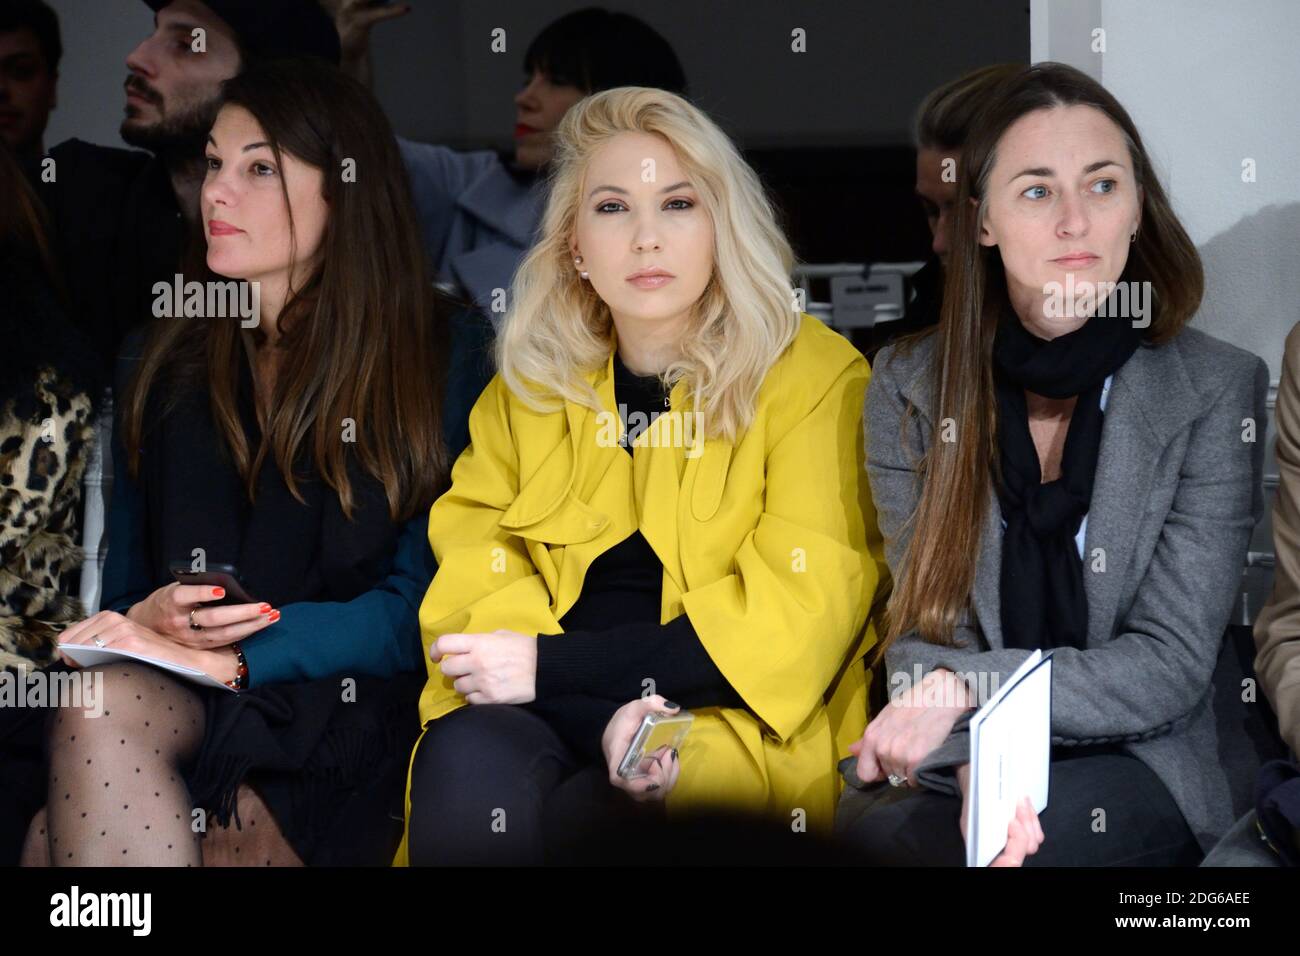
(219, 592)
(264, 608)
(275, 616)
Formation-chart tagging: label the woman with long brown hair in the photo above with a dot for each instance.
(1063, 464)
(303, 449)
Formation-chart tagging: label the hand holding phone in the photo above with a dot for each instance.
(204, 609)
(223, 576)
(657, 734)
(641, 745)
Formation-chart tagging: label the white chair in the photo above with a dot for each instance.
(97, 491)
(857, 295)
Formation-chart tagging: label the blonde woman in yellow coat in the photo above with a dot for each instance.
(659, 270)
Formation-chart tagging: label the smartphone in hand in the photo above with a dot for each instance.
(217, 576)
(657, 731)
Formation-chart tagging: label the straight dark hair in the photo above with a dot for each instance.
(596, 49)
(946, 115)
(365, 336)
(938, 569)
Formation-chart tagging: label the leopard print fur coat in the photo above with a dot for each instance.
(43, 456)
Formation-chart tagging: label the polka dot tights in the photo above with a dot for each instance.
(117, 794)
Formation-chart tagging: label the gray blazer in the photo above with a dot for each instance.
(1178, 490)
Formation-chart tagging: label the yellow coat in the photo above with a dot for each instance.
(769, 544)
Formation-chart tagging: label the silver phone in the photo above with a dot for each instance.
(658, 732)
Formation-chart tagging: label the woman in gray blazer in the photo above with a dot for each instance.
(1062, 464)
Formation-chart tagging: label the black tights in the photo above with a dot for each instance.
(495, 784)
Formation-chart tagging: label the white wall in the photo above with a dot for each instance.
(1211, 84)
(97, 36)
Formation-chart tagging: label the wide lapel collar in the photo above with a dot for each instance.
(571, 471)
(656, 473)
(594, 434)
(1151, 400)
(659, 479)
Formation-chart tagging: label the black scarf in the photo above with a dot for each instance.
(286, 550)
(1043, 600)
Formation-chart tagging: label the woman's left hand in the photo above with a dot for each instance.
(908, 729)
(1024, 833)
(121, 633)
(495, 668)
(664, 765)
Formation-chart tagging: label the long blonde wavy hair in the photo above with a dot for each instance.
(557, 329)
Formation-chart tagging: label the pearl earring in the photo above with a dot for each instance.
(577, 262)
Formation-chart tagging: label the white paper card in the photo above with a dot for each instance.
(1010, 756)
(88, 655)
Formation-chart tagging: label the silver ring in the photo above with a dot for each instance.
(896, 781)
(193, 626)
(98, 642)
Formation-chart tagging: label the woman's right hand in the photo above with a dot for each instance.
(166, 612)
(907, 730)
(354, 19)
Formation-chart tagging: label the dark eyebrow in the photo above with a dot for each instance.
(684, 184)
(1044, 171)
(248, 148)
(186, 28)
